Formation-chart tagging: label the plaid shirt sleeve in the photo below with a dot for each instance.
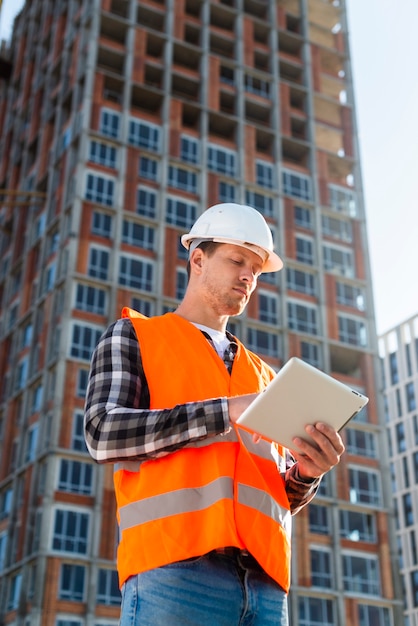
(118, 423)
(299, 491)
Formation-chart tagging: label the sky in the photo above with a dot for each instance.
(384, 59)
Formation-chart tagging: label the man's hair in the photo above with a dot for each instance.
(208, 248)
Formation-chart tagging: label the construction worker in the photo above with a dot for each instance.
(204, 508)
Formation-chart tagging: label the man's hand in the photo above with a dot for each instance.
(316, 460)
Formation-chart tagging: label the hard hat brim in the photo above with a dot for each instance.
(271, 261)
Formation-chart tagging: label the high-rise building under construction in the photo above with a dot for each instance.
(121, 121)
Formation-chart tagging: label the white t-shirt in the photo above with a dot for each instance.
(220, 340)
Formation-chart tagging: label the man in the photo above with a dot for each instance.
(204, 508)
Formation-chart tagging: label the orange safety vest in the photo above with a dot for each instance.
(217, 492)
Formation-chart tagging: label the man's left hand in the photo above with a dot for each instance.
(315, 460)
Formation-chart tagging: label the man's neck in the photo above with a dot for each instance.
(196, 315)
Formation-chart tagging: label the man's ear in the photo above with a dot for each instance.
(196, 260)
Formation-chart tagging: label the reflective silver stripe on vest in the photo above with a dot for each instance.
(175, 503)
(129, 466)
(261, 449)
(264, 503)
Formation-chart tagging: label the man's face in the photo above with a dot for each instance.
(228, 278)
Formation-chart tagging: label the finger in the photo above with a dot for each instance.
(326, 438)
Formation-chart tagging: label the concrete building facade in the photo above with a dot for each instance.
(399, 354)
(121, 121)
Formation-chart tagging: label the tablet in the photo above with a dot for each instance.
(298, 395)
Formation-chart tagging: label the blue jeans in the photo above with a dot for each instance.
(211, 590)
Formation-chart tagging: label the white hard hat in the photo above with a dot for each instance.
(240, 225)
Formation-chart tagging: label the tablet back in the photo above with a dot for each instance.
(298, 395)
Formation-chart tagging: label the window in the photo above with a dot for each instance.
(37, 395)
(14, 592)
(71, 584)
(262, 203)
(182, 252)
(310, 353)
(226, 75)
(180, 213)
(339, 260)
(181, 283)
(267, 307)
(3, 545)
(321, 568)
(70, 531)
(264, 174)
(393, 367)
(398, 402)
(339, 229)
(48, 278)
(6, 503)
(342, 200)
(262, 341)
(364, 487)
(370, 615)
(75, 477)
(352, 331)
(227, 192)
(302, 318)
(108, 588)
(101, 224)
(405, 471)
(27, 333)
(148, 168)
(138, 235)
(304, 250)
(21, 374)
(136, 273)
(69, 622)
(143, 306)
(77, 438)
(410, 396)
(361, 442)
(31, 443)
(222, 160)
(325, 487)
(146, 202)
(400, 437)
(257, 86)
(109, 123)
(415, 425)
(319, 519)
(102, 153)
(100, 189)
(408, 509)
(182, 179)
(303, 217)
(414, 587)
(361, 574)
(144, 135)
(358, 526)
(84, 340)
(348, 295)
(303, 282)
(296, 185)
(189, 149)
(91, 299)
(408, 359)
(316, 612)
(98, 263)
(413, 545)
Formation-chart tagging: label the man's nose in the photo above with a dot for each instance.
(247, 275)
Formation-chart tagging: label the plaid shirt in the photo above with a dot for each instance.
(120, 426)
